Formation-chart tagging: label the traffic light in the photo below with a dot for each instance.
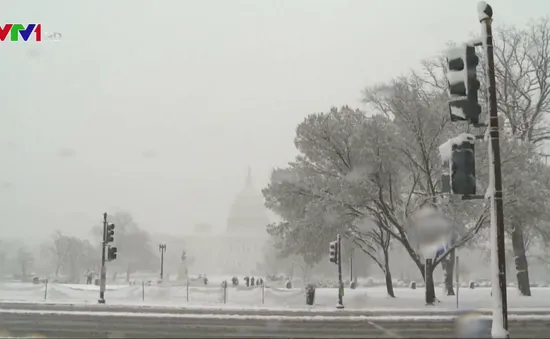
(110, 234)
(462, 62)
(111, 253)
(463, 167)
(462, 109)
(333, 252)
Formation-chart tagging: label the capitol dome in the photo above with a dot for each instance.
(248, 215)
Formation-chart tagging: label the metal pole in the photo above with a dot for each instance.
(103, 273)
(457, 280)
(340, 283)
(46, 290)
(497, 210)
(162, 249)
(351, 265)
(187, 290)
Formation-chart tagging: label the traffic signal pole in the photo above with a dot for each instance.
(498, 258)
(103, 273)
(162, 249)
(340, 282)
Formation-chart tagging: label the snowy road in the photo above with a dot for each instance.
(142, 325)
(258, 311)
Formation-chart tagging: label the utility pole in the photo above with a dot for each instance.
(162, 249)
(103, 273)
(498, 258)
(340, 282)
(108, 237)
(351, 265)
(335, 257)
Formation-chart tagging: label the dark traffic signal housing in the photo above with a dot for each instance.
(333, 252)
(459, 168)
(110, 233)
(462, 62)
(111, 253)
(463, 166)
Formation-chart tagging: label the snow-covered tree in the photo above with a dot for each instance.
(307, 193)
(419, 112)
(351, 167)
(374, 240)
(523, 77)
(25, 260)
(386, 165)
(70, 255)
(523, 92)
(56, 251)
(522, 70)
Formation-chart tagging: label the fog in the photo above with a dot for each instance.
(157, 108)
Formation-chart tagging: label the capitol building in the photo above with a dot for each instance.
(240, 249)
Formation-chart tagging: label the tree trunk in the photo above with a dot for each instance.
(521, 261)
(429, 282)
(128, 273)
(448, 266)
(24, 269)
(389, 282)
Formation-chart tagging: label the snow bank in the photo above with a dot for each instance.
(343, 317)
(325, 298)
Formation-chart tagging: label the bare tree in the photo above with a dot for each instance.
(57, 251)
(25, 259)
(523, 91)
(374, 240)
(522, 58)
(416, 105)
(523, 77)
(70, 255)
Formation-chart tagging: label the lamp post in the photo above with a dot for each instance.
(162, 249)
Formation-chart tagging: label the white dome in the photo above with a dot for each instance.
(247, 214)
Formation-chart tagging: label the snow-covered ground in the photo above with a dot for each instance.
(268, 297)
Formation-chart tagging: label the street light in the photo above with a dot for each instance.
(162, 249)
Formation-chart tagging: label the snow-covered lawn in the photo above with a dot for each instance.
(254, 297)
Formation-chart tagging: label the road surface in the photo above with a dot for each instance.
(297, 311)
(164, 325)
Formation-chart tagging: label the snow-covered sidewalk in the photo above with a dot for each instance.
(373, 299)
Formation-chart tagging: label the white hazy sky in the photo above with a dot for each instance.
(158, 107)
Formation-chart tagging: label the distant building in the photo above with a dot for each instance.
(239, 250)
(202, 228)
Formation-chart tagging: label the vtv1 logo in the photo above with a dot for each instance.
(16, 30)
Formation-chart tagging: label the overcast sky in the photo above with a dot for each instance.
(158, 107)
